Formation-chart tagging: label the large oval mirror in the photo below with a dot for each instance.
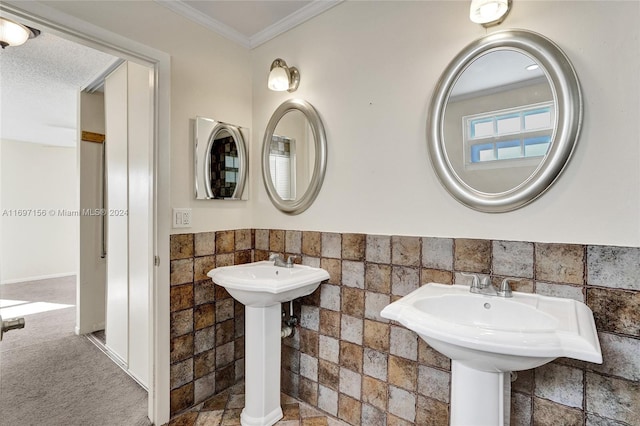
(220, 160)
(294, 156)
(504, 120)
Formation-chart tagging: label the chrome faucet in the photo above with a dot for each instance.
(278, 260)
(483, 286)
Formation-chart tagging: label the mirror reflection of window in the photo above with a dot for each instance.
(224, 166)
(512, 134)
(282, 166)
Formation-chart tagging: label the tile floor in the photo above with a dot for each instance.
(224, 409)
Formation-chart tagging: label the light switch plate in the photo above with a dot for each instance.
(182, 218)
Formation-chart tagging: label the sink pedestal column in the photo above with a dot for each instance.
(262, 366)
(479, 397)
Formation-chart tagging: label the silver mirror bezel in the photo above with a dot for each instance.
(205, 163)
(566, 89)
(302, 203)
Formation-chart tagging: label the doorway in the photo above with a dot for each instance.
(62, 25)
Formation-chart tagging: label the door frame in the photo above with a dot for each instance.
(71, 28)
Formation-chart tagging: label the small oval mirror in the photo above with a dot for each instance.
(505, 117)
(294, 153)
(220, 160)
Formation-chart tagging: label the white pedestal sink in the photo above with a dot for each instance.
(488, 336)
(262, 287)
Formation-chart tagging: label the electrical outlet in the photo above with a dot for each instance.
(182, 218)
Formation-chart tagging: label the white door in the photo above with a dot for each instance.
(128, 119)
(117, 320)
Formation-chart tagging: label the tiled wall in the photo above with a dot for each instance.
(355, 365)
(207, 325)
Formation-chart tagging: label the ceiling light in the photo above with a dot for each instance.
(532, 67)
(14, 34)
(282, 77)
(488, 12)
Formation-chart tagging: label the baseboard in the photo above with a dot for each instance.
(89, 330)
(37, 278)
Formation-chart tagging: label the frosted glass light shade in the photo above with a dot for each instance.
(278, 79)
(488, 12)
(283, 77)
(12, 34)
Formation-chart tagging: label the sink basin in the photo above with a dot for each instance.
(496, 314)
(262, 284)
(488, 336)
(498, 334)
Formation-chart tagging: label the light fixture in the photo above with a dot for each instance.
(489, 12)
(532, 67)
(14, 34)
(282, 77)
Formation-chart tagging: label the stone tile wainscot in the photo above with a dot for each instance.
(350, 363)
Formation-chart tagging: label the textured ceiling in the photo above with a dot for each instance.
(39, 85)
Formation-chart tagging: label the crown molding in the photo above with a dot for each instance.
(311, 10)
(206, 21)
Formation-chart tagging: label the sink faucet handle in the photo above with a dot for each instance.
(291, 260)
(475, 280)
(274, 256)
(485, 282)
(505, 288)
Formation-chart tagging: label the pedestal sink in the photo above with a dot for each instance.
(488, 336)
(262, 287)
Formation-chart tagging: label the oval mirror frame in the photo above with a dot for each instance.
(234, 132)
(202, 160)
(302, 203)
(567, 95)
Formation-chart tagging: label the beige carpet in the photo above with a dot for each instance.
(49, 376)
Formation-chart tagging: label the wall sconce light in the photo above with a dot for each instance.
(14, 34)
(282, 77)
(489, 12)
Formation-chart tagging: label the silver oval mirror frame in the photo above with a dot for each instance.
(234, 132)
(568, 119)
(299, 204)
(207, 132)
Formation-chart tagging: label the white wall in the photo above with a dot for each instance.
(370, 69)
(41, 180)
(210, 77)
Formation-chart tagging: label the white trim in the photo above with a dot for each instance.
(37, 278)
(97, 82)
(92, 329)
(206, 21)
(44, 17)
(301, 15)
